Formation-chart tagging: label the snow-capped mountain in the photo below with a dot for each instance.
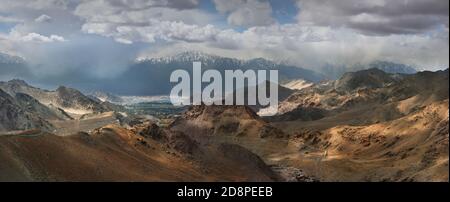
(151, 76)
(210, 61)
(190, 56)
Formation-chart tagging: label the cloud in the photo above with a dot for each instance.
(144, 4)
(315, 46)
(43, 18)
(10, 5)
(246, 13)
(164, 30)
(34, 37)
(7, 19)
(376, 17)
(146, 21)
(413, 32)
(140, 13)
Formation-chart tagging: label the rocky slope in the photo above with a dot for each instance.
(34, 106)
(283, 93)
(411, 148)
(15, 115)
(106, 97)
(224, 120)
(389, 127)
(371, 78)
(112, 153)
(370, 94)
(366, 126)
(297, 84)
(70, 100)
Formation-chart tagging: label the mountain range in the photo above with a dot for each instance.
(39, 106)
(368, 125)
(150, 76)
(334, 72)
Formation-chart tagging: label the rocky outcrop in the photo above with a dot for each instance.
(34, 106)
(14, 115)
(228, 120)
(371, 78)
(378, 95)
(245, 157)
(70, 100)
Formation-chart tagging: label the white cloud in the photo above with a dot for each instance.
(246, 13)
(33, 37)
(314, 46)
(43, 18)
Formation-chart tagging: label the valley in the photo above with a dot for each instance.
(366, 126)
(299, 91)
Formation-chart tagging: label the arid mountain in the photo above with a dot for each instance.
(224, 120)
(112, 153)
(283, 93)
(411, 148)
(297, 84)
(70, 100)
(371, 78)
(33, 149)
(15, 115)
(377, 129)
(367, 126)
(337, 71)
(106, 97)
(34, 106)
(369, 95)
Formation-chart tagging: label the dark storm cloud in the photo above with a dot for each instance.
(399, 25)
(377, 16)
(145, 4)
(188, 4)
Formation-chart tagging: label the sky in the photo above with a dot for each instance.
(104, 36)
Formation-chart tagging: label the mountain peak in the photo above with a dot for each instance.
(391, 67)
(368, 78)
(19, 82)
(61, 88)
(195, 54)
(64, 89)
(188, 56)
